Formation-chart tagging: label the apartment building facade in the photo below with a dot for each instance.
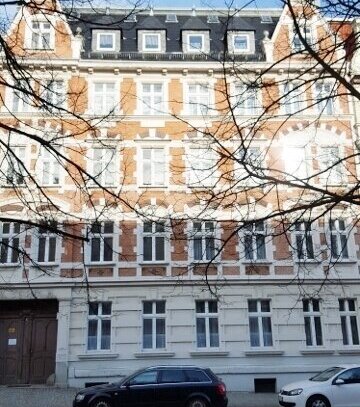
(147, 286)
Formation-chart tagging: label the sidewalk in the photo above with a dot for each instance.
(56, 397)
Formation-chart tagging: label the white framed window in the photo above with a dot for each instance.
(292, 101)
(195, 42)
(151, 41)
(152, 98)
(207, 324)
(260, 323)
(312, 322)
(49, 167)
(303, 240)
(249, 161)
(104, 98)
(15, 160)
(324, 98)
(330, 166)
(297, 164)
(22, 96)
(105, 41)
(198, 99)
(240, 43)
(154, 325)
(202, 164)
(99, 326)
(103, 166)
(10, 242)
(339, 249)
(54, 94)
(42, 35)
(154, 239)
(254, 241)
(246, 99)
(203, 240)
(48, 244)
(153, 166)
(101, 242)
(349, 322)
(306, 32)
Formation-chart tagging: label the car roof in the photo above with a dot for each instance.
(173, 367)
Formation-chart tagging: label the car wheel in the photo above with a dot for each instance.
(317, 401)
(197, 402)
(101, 403)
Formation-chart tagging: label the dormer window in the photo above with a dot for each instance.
(106, 41)
(241, 42)
(171, 18)
(151, 41)
(41, 35)
(306, 33)
(195, 41)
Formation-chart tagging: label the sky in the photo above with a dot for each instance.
(217, 3)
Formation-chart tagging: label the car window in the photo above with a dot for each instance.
(197, 376)
(172, 376)
(326, 374)
(350, 376)
(145, 378)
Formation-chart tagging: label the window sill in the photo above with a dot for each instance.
(154, 354)
(101, 264)
(9, 265)
(153, 186)
(307, 261)
(153, 263)
(264, 352)
(98, 356)
(349, 351)
(39, 265)
(343, 261)
(208, 353)
(257, 262)
(315, 351)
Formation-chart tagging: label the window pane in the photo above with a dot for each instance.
(160, 333)
(351, 305)
(41, 250)
(265, 306)
(341, 305)
(4, 250)
(108, 248)
(147, 227)
(354, 330)
(15, 250)
(92, 335)
(95, 249)
(52, 249)
(147, 334)
(318, 331)
(213, 306)
(160, 307)
(254, 331)
(106, 308)
(214, 332)
(252, 304)
(344, 248)
(105, 333)
(160, 248)
(308, 336)
(248, 247)
(93, 308)
(147, 307)
(198, 255)
(200, 333)
(260, 247)
(210, 248)
(200, 307)
(172, 376)
(344, 331)
(266, 321)
(108, 227)
(147, 248)
(316, 305)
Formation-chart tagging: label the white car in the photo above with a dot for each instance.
(338, 386)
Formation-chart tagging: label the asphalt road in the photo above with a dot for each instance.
(55, 397)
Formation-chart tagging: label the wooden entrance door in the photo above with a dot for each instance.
(28, 331)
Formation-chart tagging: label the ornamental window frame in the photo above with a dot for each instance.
(99, 317)
(313, 327)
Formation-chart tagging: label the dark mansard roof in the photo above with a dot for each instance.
(186, 20)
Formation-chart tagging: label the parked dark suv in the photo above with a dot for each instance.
(158, 386)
